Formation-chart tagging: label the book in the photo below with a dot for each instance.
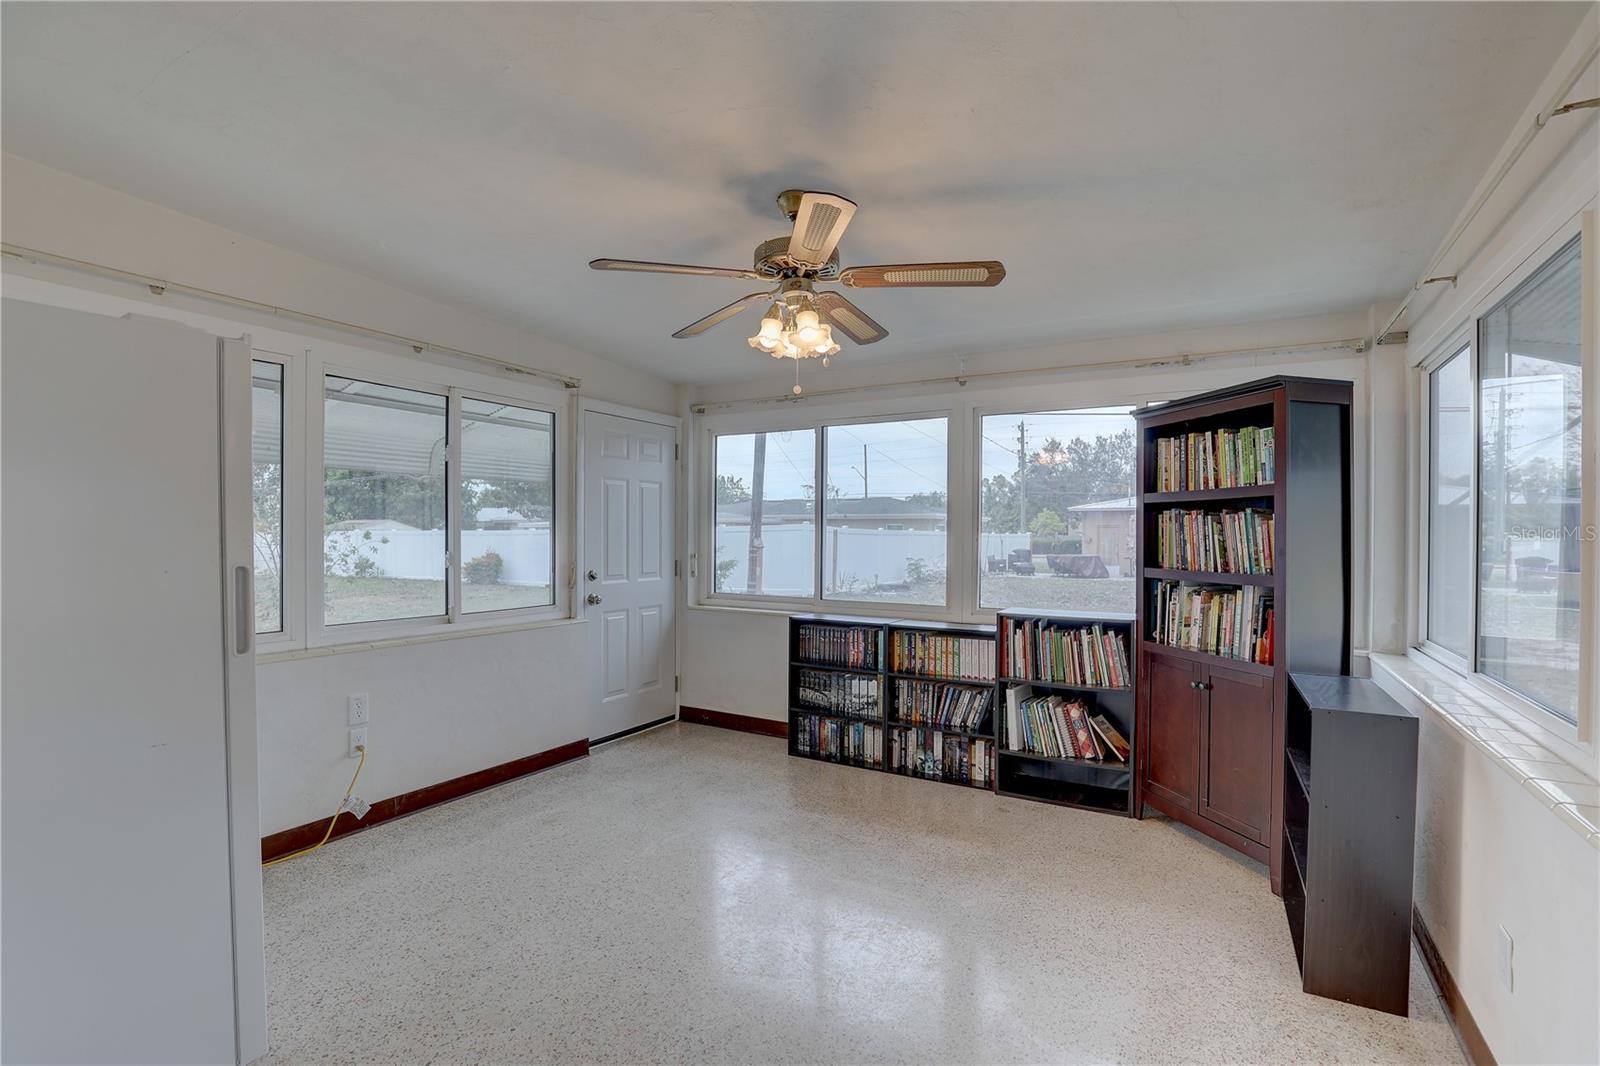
(1225, 542)
(941, 655)
(1115, 741)
(1043, 650)
(954, 706)
(939, 756)
(1217, 459)
(1224, 620)
(852, 695)
(1051, 725)
(839, 740)
(832, 645)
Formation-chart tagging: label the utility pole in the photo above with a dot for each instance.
(866, 490)
(1022, 477)
(758, 488)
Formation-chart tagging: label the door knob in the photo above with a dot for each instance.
(593, 575)
(592, 599)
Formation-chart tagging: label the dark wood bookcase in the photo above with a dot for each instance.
(904, 742)
(1093, 784)
(1211, 727)
(1349, 829)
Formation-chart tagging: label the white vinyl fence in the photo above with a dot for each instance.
(851, 558)
(419, 553)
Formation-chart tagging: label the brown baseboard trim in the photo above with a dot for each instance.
(303, 836)
(1455, 1008)
(744, 723)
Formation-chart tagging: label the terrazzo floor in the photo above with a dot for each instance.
(694, 895)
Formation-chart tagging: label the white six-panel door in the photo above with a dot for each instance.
(626, 585)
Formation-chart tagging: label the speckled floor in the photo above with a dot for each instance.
(694, 895)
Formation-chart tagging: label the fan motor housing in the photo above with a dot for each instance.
(772, 260)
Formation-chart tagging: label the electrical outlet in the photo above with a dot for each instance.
(358, 709)
(1502, 960)
(357, 737)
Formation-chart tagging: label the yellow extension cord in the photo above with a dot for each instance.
(362, 748)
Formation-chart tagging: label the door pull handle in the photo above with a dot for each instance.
(244, 628)
(592, 599)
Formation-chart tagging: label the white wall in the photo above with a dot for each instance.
(439, 709)
(1489, 854)
(731, 660)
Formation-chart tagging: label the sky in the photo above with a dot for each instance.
(901, 458)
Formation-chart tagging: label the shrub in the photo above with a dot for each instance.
(484, 570)
(1072, 545)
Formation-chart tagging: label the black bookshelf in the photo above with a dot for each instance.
(898, 738)
(1103, 784)
(1349, 828)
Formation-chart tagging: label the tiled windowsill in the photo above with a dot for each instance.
(1554, 782)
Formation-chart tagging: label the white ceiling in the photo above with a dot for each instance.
(1137, 167)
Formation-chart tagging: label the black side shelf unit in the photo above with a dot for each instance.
(903, 697)
(1041, 657)
(1349, 826)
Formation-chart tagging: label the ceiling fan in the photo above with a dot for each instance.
(799, 322)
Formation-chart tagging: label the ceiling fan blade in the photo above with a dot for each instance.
(671, 268)
(844, 315)
(924, 275)
(722, 314)
(819, 222)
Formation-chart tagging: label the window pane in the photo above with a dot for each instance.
(1450, 505)
(266, 491)
(382, 502)
(1529, 479)
(884, 513)
(507, 507)
(1058, 511)
(766, 482)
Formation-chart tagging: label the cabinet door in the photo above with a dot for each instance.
(1236, 752)
(1172, 737)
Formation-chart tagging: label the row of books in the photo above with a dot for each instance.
(1232, 622)
(941, 756)
(1226, 542)
(1060, 728)
(941, 655)
(1041, 650)
(939, 703)
(1218, 459)
(856, 743)
(840, 645)
(855, 695)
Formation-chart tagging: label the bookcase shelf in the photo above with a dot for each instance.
(1349, 831)
(1091, 784)
(1212, 747)
(1209, 577)
(924, 750)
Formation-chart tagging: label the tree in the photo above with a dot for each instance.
(731, 489)
(1046, 524)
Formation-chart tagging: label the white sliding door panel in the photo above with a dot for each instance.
(629, 586)
(123, 940)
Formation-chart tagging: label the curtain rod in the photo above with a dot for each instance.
(1552, 109)
(161, 286)
(1357, 345)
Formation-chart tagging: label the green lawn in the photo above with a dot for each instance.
(365, 599)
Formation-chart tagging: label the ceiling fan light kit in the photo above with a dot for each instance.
(799, 321)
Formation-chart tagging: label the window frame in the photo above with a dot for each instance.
(558, 509)
(1574, 741)
(703, 570)
(979, 413)
(1464, 339)
(398, 372)
(291, 590)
